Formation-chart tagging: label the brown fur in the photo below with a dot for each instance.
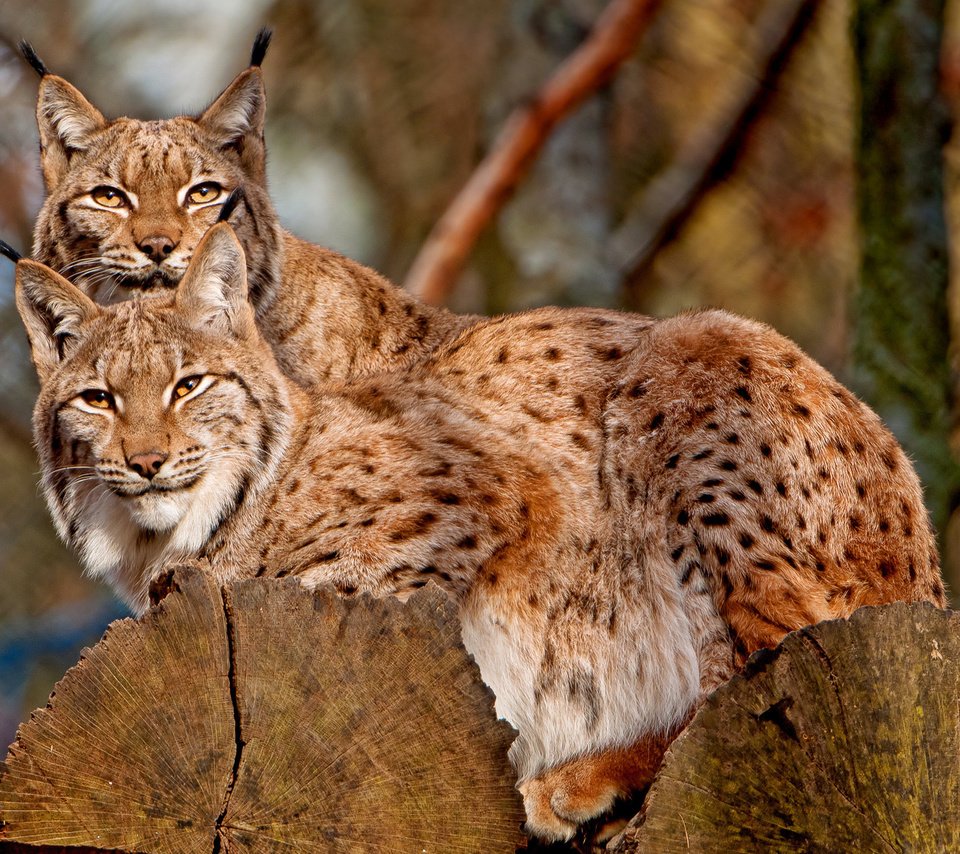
(624, 509)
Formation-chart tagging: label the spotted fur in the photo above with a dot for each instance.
(624, 509)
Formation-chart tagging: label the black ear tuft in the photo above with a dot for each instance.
(7, 250)
(230, 205)
(30, 55)
(260, 45)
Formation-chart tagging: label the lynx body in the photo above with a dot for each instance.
(624, 509)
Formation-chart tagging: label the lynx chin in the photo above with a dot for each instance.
(623, 508)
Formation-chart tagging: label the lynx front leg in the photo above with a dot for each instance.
(566, 796)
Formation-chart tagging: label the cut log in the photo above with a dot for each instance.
(261, 717)
(844, 738)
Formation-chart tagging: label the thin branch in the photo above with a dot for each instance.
(713, 150)
(443, 255)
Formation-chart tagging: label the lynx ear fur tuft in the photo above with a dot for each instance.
(34, 61)
(260, 45)
(230, 205)
(9, 252)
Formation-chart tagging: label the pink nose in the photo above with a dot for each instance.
(147, 464)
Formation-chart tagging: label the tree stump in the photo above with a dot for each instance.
(261, 716)
(844, 738)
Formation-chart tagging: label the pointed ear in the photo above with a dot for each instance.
(213, 291)
(236, 118)
(53, 310)
(66, 121)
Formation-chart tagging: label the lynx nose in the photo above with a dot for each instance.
(148, 464)
(157, 247)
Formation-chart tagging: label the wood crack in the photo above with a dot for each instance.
(220, 843)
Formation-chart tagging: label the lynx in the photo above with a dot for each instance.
(128, 201)
(624, 509)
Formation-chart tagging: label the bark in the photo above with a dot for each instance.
(902, 332)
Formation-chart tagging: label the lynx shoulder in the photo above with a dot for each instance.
(128, 201)
(623, 509)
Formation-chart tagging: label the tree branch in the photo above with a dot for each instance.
(614, 37)
(713, 151)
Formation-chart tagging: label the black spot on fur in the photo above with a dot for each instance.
(886, 568)
(767, 524)
(683, 517)
(672, 462)
(657, 420)
(746, 540)
(743, 392)
(765, 450)
(744, 365)
(728, 465)
(706, 498)
(716, 519)
(801, 410)
(782, 489)
(732, 438)
(552, 353)
(702, 455)
(676, 553)
(755, 486)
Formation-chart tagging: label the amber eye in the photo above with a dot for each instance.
(185, 386)
(98, 397)
(208, 191)
(110, 197)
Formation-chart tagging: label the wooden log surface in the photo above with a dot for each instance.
(262, 717)
(844, 738)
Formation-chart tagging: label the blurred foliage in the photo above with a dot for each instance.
(378, 112)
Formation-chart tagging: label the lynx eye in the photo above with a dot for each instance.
(109, 197)
(185, 386)
(208, 191)
(97, 398)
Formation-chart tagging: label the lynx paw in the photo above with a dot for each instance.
(560, 800)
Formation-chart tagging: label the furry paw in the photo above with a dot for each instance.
(564, 797)
(561, 799)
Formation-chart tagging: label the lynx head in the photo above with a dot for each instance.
(128, 201)
(157, 418)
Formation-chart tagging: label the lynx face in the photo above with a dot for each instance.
(128, 201)
(154, 420)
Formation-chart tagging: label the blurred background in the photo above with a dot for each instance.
(781, 160)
